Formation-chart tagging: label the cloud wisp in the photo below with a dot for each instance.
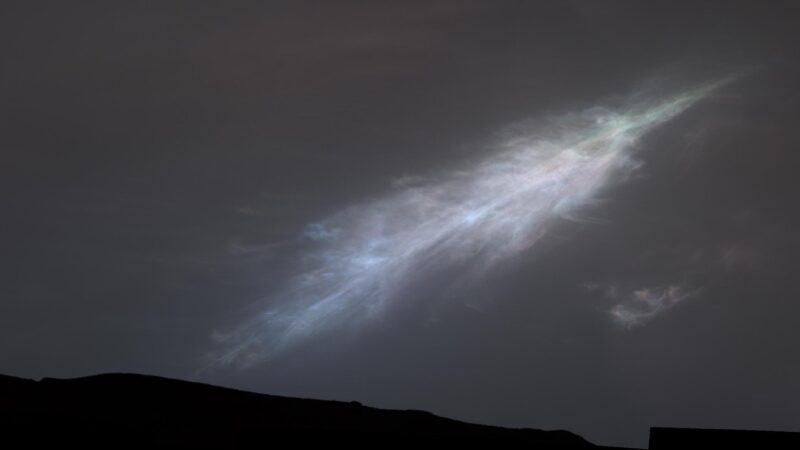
(645, 304)
(366, 257)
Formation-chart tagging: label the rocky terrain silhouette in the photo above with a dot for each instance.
(143, 410)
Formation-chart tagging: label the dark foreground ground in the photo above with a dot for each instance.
(136, 410)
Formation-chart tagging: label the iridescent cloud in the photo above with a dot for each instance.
(368, 255)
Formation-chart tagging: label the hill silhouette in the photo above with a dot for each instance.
(143, 410)
(128, 409)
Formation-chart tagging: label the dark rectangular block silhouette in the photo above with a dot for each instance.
(672, 438)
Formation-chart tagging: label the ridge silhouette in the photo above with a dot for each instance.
(148, 410)
(145, 410)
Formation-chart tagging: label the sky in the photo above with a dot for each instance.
(570, 215)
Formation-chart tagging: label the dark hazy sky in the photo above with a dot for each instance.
(157, 156)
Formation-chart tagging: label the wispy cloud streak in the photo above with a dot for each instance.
(647, 303)
(369, 254)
